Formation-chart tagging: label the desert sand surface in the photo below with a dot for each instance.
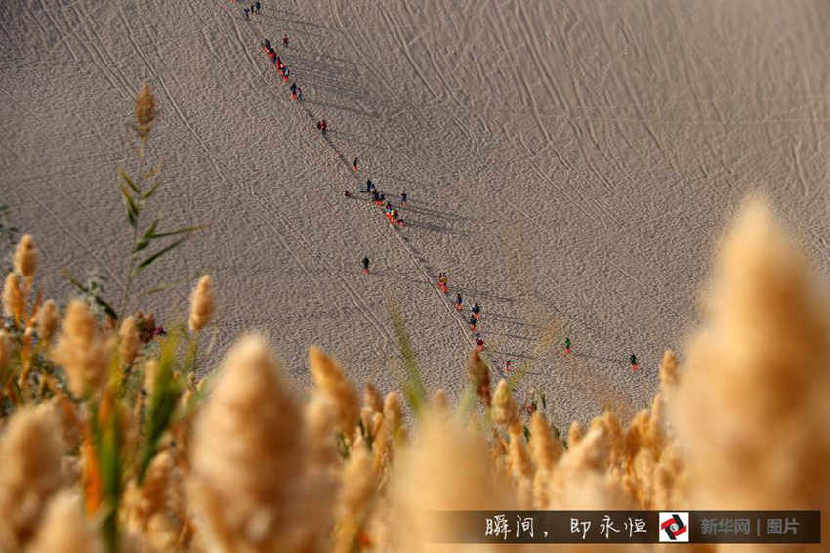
(570, 164)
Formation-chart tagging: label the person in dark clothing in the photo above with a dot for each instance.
(634, 364)
(369, 185)
(388, 207)
(459, 301)
(267, 45)
(299, 94)
(403, 199)
(476, 311)
(258, 7)
(365, 263)
(382, 197)
(375, 196)
(246, 10)
(567, 346)
(354, 165)
(285, 40)
(293, 88)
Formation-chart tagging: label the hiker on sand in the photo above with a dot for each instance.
(442, 282)
(567, 346)
(458, 302)
(388, 207)
(354, 165)
(476, 311)
(634, 364)
(479, 343)
(258, 7)
(508, 367)
(375, 196)
(365, 263)
(285, 40)
(294, 90)
(266, 44)
(403, 199)
(369, 185)
(246, 10)
(473, 324)
(299, 94)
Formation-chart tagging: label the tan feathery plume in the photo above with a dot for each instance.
(520, 466)
(151, 369)
(383, 445)
(145, 110)
(440, 401)
(545, 451)
(752, 404)
(504, 410)
(446, 468)
(143, 501)
(320, 421)
(201, 304)
(25, 256)
(248, 459)
(614, 434)
(669, 373)
(480, 377)
(372, 398)
(30, 454)
(129, 341)
(575, 433)
(47, 320)
(66, 529)
(82, 350)
(13, 302)
(354, 498)
(329, 380)
(5, 349)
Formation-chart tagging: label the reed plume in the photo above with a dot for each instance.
(546, 452)
(354, 498)
(25, 257)
(5, 349)
(30, 454)
(202, 304)
(757, 372)
(47, 320)
(504, 410)
(129, 342)
(248, 459)
(65, 528)
(82, 350)
(330, 381)
(479, 375)
(13, 301)
(445, 468)
(145, 111)
(389, 428)
(372, 398)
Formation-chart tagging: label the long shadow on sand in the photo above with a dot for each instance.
(598, 358)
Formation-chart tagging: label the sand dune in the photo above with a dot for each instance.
(567, 162)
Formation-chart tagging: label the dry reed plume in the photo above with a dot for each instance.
(83, 350)
(201, 304)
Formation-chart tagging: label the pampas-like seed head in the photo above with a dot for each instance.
(752, 404)
(372, 398)
(575, 433)
(13, 302)
(201, 304)
(445, 468)
(504, 410)
(248, 458)
(82, 350)
(480, 377)
(546, 450)
(130, 341)
(440, 401)
(47, 320)
(30, 454)
(25, 256)
(66, 529)
(358, 486)
(145, 110)
(329, 380)
(5, 349)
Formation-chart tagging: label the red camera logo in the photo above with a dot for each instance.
(674, 527)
